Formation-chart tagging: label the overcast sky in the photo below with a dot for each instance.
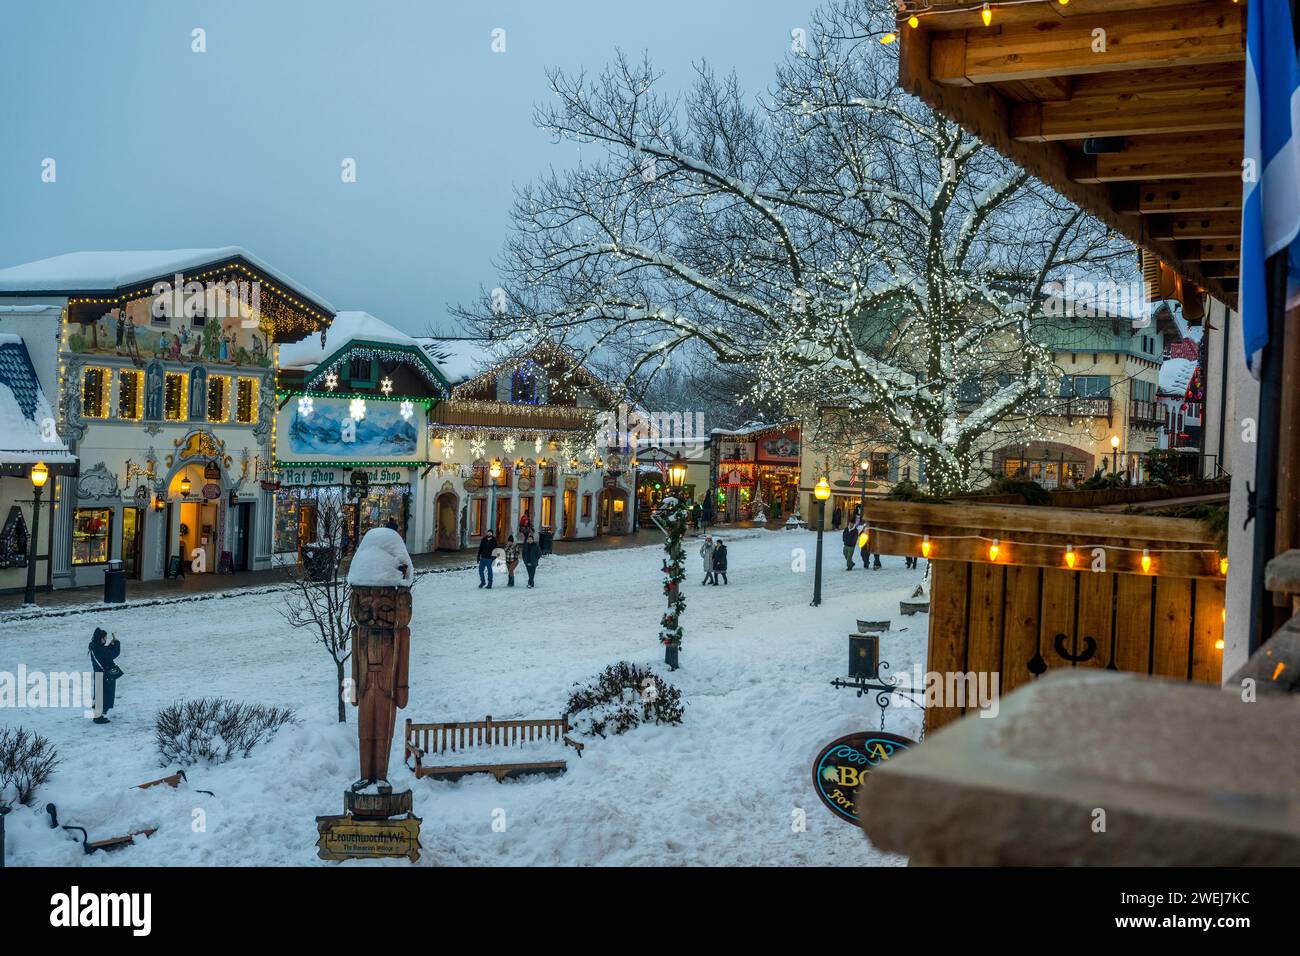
(160, 147)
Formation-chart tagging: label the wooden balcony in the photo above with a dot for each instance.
(1148, 414)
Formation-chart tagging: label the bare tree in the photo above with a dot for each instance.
(319, 600)
(840, 241)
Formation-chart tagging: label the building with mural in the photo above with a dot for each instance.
(163, 369)
(352, 434)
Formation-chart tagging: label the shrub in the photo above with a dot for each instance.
(1031, 491)
(27, 762)
(214, 730)
(621, 698)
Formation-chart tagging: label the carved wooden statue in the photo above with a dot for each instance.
(381, 652)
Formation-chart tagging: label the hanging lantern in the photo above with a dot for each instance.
(495, 469)
(185, 484)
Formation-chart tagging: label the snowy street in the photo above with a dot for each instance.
(722, 788)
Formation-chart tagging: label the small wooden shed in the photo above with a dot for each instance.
(1023, 590)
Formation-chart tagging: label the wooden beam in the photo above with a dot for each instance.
(1203, 33)
(1210, 250)
(1204, 195)
(1141, 111)
(1194, 156)
(1205, 225)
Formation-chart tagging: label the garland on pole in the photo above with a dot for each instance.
(673, 518)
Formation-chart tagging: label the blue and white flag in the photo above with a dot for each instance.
(1270, 217)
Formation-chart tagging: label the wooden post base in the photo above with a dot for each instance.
(377, 806)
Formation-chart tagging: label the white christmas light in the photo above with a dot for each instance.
(407, 409)
(357, 408)
(305, 406)
(331, 380)
(386, 386)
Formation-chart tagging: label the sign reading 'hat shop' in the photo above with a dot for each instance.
(844, 764)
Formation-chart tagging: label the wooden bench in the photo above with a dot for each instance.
(424, 740)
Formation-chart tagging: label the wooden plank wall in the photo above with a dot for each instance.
(1022, 621)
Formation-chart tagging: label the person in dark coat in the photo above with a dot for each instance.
(531, 552)
(706, 513)
(836, 517)
(720, 562)
(526, 526)
(486, 546)
(104, 648)
(512, 559)
(868, 554)
(850, 541)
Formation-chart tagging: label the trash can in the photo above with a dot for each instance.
(545, 541)
(115, 583)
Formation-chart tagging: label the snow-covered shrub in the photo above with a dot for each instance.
(27, 761)
(622, 697)
(213, 729)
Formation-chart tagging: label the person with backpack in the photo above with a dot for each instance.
(720, 562)
(104, 648)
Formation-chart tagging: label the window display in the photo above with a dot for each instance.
(91, 535)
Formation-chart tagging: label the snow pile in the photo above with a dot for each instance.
(346, 327)
(382, 561)
(1175, 374)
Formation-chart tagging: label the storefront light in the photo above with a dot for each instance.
(495, 469)
(185, 484)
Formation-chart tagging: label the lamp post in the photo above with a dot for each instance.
(1114, 453)
(40, 474)
(822, 493)
(494, 472)
(863, 466)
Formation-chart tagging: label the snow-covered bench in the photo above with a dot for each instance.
(429, 742)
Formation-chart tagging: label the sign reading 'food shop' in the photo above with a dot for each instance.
(844, 764)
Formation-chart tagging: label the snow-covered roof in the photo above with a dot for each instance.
(346, 327)
(24, 410)
(1175, 375)
(460, 360)
(102, 271)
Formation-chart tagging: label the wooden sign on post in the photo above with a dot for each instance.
(347, 838)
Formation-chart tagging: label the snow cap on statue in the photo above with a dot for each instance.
(381, 561)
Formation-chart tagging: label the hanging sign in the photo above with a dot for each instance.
(211, 491)
(212, 471)
(843, 765)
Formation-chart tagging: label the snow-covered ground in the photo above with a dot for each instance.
(721, 788)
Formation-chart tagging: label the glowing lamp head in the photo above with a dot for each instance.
(677, 471)
(519, 464)
(1070, 556)
(986, 14)
(495, 469)
(994, 549)
(1114, 441)
(1223, 564)
(158, 504)
(1218, 645)
(1146, 561)
(185, 485)
(863, 465)
(914, 21)
(822, 490)
(925, 546)
(40, 474)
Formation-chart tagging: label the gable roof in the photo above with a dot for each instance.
(24, 409)
(480, 361)
(357, 330)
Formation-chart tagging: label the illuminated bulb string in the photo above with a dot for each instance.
(1001, 542)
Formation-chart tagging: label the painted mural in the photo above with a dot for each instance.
(326, 428)
(136, 332)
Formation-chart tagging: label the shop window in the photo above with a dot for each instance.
(480, 474)
(94, 392)
(130, 537)
(246, 401)
(92, 530)
(586, 507)
(548, 513)
(176, 397)
(130, 394)
(286, 522)
(879, 462)
(219, 398)
(361, 371)
(548, 476)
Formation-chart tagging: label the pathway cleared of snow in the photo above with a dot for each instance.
(725, 787)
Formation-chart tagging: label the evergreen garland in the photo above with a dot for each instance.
(14, 540)
(674, 519)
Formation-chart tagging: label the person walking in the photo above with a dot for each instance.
(868, 553)
(850, 540)
(512, 560)
(836, 517)
(532, 554)
(720, 562)
(706, 554)
(526, 526)
(486, 547)
(706, 513)
(104, 648)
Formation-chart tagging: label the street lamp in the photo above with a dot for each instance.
(185, 486)
(677, 472)
(822, 492)
(863, 467)
(1114, 453)
(494, 472)
(40, 474)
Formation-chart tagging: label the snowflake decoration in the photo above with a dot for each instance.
(331, 380)
(357, 408)
(305, 406)
(386, 386)
(537, 445)
(448, 446)
(477, 447)
(508, 444)
(408, 409)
